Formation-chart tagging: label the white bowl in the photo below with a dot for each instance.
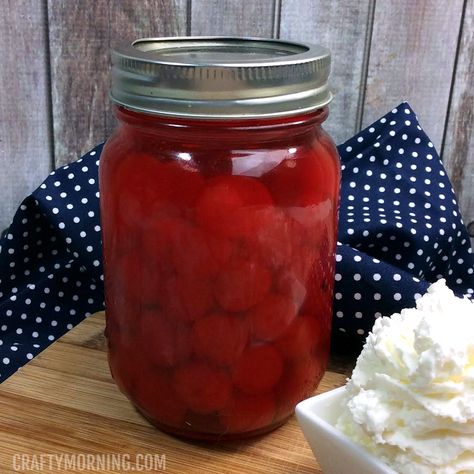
(335, 452)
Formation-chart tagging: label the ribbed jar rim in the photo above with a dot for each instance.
(220, 77)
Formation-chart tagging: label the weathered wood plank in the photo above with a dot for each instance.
(81, 34)
(458, 150)
(315, 21)
(232, 17)
(25, 148)
(412, 57)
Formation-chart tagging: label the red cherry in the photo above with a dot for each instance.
(148, 184)
(156, 397)
(220, 338)
(221, 250)
(192, 254)
(300, 181)
(186, 298)
(248, 412)
(157, 241)
(134, 283)
(242, 284)
(186, 183)
(232, 206)
(301, 338)
(319, 297)
(275, 238)
(299, 382)
(271, 317)
(197, 423)
(164, 342)
(174, 246)
(138, 188)
(202, 388)
(326, 151)
(288, 284)
(258, 369)
(302, 264)
(123, 363)
(122, 316)
(315, 221)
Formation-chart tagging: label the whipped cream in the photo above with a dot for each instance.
(410, 400)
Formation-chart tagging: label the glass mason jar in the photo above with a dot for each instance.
(219, 198)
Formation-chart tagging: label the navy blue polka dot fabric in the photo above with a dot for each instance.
(400, 229)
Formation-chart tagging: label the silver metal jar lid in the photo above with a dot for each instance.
(220, 77)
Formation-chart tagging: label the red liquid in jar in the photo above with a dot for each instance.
(219, 240)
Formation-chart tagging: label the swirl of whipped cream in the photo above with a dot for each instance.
(410, 400)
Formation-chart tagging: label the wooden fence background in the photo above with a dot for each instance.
(54, 76)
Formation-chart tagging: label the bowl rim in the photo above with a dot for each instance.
(306, 409)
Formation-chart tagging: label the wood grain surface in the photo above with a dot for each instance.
(25, 148)
(80, 36)
(348, 45)
(228, 17)
(383, 52)
(458, 150)
(65, 402)
(412, 55)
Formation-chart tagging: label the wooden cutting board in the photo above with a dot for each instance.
(64, 402)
